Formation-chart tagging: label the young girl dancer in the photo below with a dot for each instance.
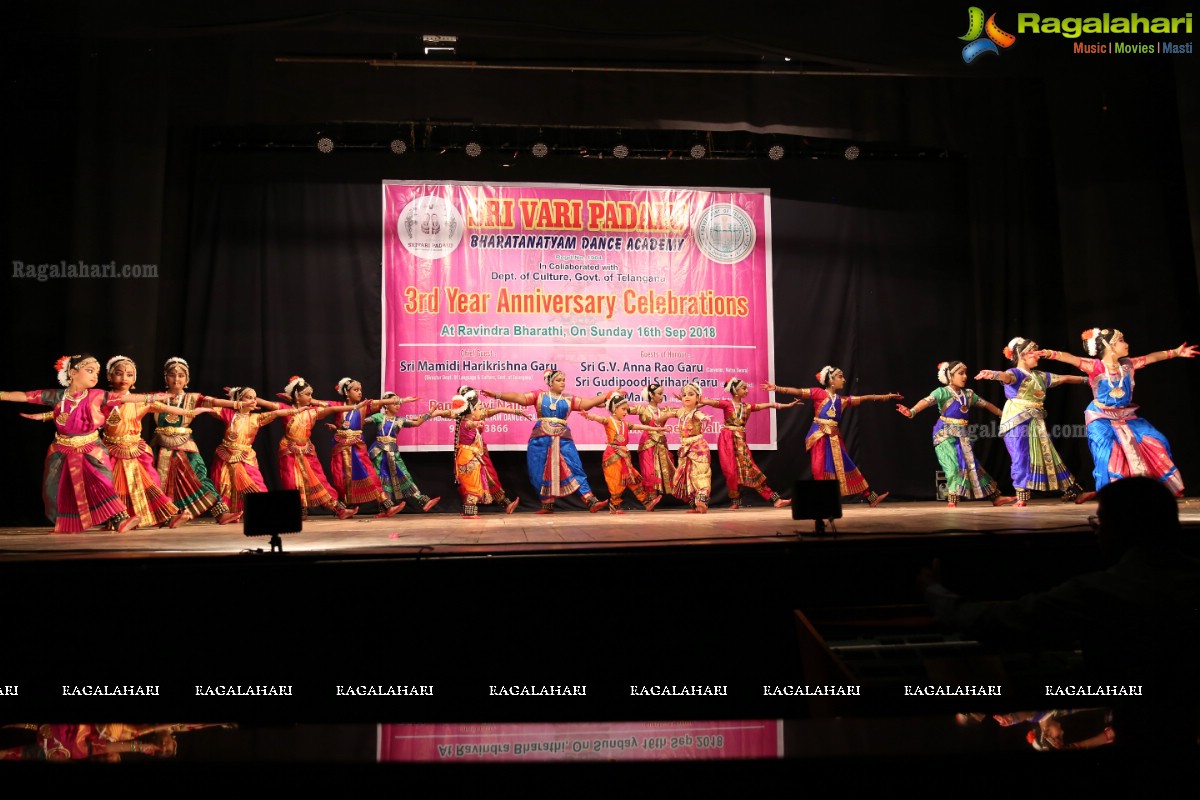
(554, 466)
(825, 445)
(473, 471)
(965, 477)
(1122, 443)
(298, 464)
(397, 483)
(134, 477)
(350, 466)
(619, 472)
(180, 467)
(693, 471)
(77, 486)
(235, 470)
(654, 456)
(1036, 465)
(737, 463)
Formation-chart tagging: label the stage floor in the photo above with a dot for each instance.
(446, 534)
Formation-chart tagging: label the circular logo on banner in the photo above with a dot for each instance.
(725, 233)
(430, 227)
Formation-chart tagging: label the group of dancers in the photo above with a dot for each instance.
(100, 472)
(1121, 443)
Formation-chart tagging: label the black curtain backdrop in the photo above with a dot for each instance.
(1064, 203)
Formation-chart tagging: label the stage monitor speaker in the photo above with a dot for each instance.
(272, 514)
(817, 500)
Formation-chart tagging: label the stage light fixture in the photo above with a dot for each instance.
(776, 152)
(325, 144)
(698, 151)
(539, 149)
(473, 149)
(817, 501)
(398, 146)
(273, 514)
(852, 152)
(620, 151)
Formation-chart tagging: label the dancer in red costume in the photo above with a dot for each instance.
(737, 462)
(78, 482)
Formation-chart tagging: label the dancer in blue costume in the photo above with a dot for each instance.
(1122, 443)
(554, 466)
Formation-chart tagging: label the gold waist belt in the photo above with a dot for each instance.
(385, 439)
(347, 435)
(952, 421)
(735, 427)
(174, 431)
(131, 438)
(236, 446)
(76, 441)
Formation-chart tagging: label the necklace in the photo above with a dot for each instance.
(177, 400)
(1115, 389)
(65, 414)
(962, 398)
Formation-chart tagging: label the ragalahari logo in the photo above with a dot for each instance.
(976, 28)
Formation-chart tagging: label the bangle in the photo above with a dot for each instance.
(1170, 353)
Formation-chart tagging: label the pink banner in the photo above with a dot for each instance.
(618, 287)
(582, 741)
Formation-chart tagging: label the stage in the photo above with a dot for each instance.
(573, 598)
(447, 534)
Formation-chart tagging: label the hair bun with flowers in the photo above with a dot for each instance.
(549, 375)
(825, 375)
(294, 383)
(1091, 341)
(648, 392)
(61, 367)
(732, 384)
(459, 405)
(235, 392)
(615, 399)
(341, 386)
(464, 389)
(943, 372)
(1015, 347)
